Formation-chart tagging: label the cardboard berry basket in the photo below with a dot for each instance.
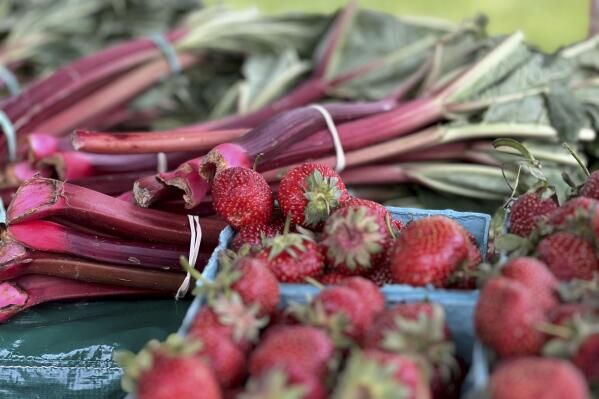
(458, 304)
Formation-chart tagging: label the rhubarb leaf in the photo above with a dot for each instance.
(267, 76)
(566, 113)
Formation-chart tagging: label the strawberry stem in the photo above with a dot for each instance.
(577, 158)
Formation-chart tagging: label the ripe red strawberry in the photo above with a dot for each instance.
(406, 371)
(347, 302)
(587, 358)
(428, 251)
(248, 277)
(368, 292)
(568, 256)
(295, 349)
(223, 355)
(355, 239)
(254, 234)
(377, 374)
(507, 316)
(375, 206)
(535, 378)
(168, 370)
(526, 212)
(242, 197)
(257, 284)
(310, 192)
(564, 312)
(292, 257)
(590, 188)
(568, 212)
(534, 275)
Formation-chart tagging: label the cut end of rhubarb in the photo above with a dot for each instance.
(143, 196)
(11, 251)
(190, 182)
(222, 157)
(12, 300)
(35, 199)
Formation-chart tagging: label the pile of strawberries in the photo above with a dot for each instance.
(343, 344)
(563, 237)
(317, 231)
(523, 314)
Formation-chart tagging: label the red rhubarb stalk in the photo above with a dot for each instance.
(17, 173)
(40, 198)
(28, 291)
(52, 237)
(151, 142)
(43, 145)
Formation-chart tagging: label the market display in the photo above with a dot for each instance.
(250, 167)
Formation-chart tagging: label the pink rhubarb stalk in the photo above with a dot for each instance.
(52, 237)
(41, 198)
(28, 291)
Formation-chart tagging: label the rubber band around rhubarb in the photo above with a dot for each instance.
(9, 132)
(339, 152)
(168, 51)
(161, 162)
(2, 212)
(194, 249)
(10, 80)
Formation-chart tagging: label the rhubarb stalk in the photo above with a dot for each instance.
(28, 291)
(40, 198)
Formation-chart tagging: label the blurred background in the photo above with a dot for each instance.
(547, 23)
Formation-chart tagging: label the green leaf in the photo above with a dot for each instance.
(566, 113)
(509, 242)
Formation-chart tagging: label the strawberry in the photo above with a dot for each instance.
(368, 292)
(568, 256)
(535, 378)
(586, 358)
(168, 370)
(375, 206)
(292, 257)
(428, 251)
(507, 316)
(257, 284)
(381, 275)
(254, 234)
(310, 192)
(590, 189)
(248, 277)
(576, 207)
(406, 371)
(534, 275)
(225, 357)
(526, 212)
(376, 374)
(242, 197)
(297, 350)
(355, 239)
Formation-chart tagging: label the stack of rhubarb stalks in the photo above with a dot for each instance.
(412, 101)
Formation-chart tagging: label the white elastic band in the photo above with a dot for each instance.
(168, 51)
(340, 154)
(2, 212)
(194, 249)
(161, 162)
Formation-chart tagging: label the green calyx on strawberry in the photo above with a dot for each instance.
(569, 336)
(335, 324)
(272, 385)
(355, 238)
(364, 377)
(243, 319)
(135, 365)
(425, 339)
(310, 192)
(292, 257)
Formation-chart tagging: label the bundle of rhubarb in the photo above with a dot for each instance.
(343, 344)
(35, 40)
(319, 232)
(68, 242)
